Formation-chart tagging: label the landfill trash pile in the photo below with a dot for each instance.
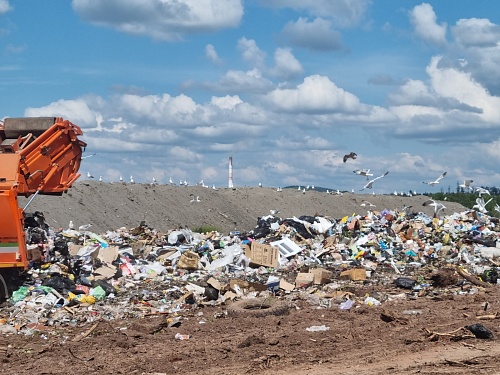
(138, 272)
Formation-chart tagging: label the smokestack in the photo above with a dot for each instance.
(230, 184)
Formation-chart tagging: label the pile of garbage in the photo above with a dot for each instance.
(81, 276)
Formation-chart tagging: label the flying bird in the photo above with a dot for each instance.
(366, 203)
(369, 185)
(437, 206)
(481, 205)
(436, 181)
(351, 155)
(363, 172)
(482, 191)
(466, 185)
(88, 156)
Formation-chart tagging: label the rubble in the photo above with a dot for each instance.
(81, 277)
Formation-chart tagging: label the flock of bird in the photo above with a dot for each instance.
(438, 207)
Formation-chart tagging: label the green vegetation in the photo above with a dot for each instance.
(469, 199)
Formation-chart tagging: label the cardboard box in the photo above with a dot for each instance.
(304, 279)
(355, 274)
(321, 275)
(242, 284)
(262, 255)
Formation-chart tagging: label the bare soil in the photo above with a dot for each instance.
(108, 206)
(402, 336)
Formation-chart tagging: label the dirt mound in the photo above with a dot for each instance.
(108, 206)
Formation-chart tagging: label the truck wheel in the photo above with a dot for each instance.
(258, 307)
(4, 291)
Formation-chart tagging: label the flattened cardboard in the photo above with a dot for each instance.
(108, 254)
(285, 285)
(262, 255)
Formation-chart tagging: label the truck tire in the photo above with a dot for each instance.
(258, 307)
(4, 291)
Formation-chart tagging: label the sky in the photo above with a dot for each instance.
(170, 89)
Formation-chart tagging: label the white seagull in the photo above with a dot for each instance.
(482, 191)
(100, 178)
(481, 206)
(366, 203)
(121, 179)
(437, 206)
(466, 185)
(274, 212)
(153, 181)
(89, 175)
(363, 172)
(436, 181)
(193, 199)
(170, 181)
(369, 184)
(132, 179)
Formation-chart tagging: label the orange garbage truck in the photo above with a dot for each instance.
(38, 155)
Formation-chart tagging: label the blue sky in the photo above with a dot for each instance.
(171, 89)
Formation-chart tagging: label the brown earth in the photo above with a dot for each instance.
(108, 206)
(365, 340)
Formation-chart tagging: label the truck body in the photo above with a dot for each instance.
(38, 155)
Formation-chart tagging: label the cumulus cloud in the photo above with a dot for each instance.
(425, 23)
(251, 52)
(316, 35)
(344, 13)
(316, 94)
(211, 54)
(479, 32)
(237, 81)
(4, 6)
(77, 111)
(285, 64)
(168, 20)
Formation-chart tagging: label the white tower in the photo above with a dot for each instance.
(230, 184)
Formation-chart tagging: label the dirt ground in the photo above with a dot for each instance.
(403, 335)
(108, 206)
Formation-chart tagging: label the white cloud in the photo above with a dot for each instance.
(315, 35)
(76, 111)
(211, 54)
(168, 20)
(237, 81)
(316, 94)
(251, 52)
(424, 20)
(452, 83)
(345, 13)
(478, 32)
(4, 6)
(185, 154)
(226, 102)
(285, 64)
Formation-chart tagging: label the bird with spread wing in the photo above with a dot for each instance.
(369, 184)
(436, 181)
